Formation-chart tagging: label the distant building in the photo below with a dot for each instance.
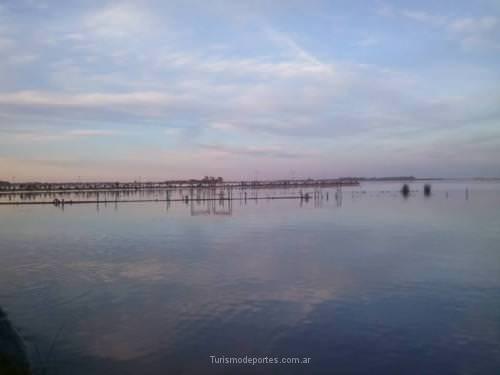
(212, 180)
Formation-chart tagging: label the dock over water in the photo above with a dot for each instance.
(60, 193)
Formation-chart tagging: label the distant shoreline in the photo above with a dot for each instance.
(4, 183)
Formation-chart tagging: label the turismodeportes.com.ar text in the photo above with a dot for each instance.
(248, 360)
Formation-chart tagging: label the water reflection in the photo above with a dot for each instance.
(212, 207)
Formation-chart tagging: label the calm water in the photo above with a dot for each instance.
(371, 283)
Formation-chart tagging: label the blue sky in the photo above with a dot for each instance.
(242, 89)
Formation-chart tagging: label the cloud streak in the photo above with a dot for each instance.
(254, 151)
(88, 100)
(471, 32)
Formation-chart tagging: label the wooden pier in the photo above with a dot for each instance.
(57, 202)
(26, 187)
(60, 194)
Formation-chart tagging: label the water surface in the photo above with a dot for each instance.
(366, 283)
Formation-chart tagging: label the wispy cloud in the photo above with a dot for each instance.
(253, 151)
(118, 21)
(5, 43)
(480, 32)
(421, 16)
(470, 32)
(22, 59)
(297, 62)
(51, 135)
(49, 99)
(284, 41)
(471, 25)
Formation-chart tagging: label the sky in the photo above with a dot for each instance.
(154, 90)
